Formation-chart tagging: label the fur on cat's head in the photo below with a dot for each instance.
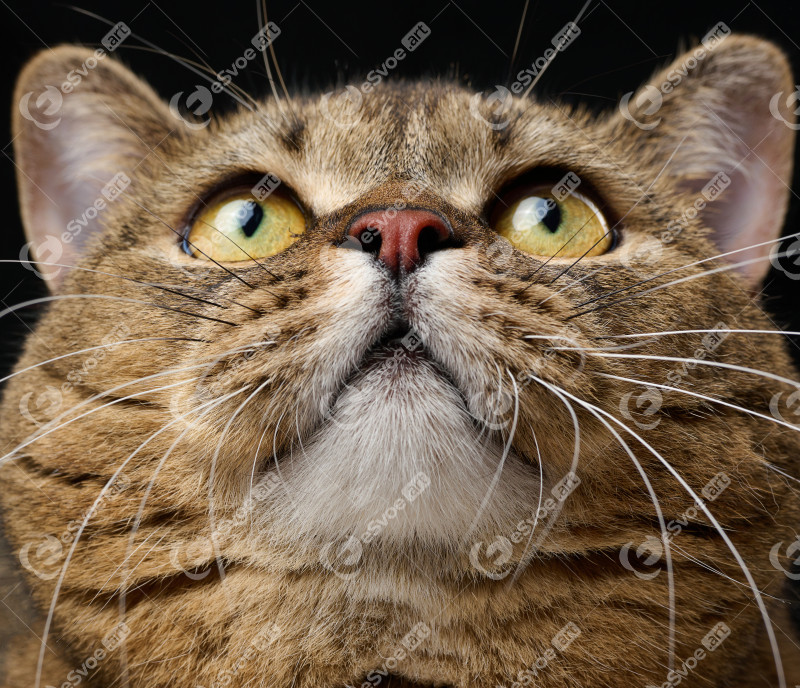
(393, 484)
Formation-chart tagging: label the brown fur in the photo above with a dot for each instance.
(185, 632)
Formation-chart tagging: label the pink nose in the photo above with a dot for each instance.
(400, 238)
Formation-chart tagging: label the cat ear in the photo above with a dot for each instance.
(81, 123)
(723, 114)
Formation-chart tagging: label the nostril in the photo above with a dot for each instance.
(370, 239)
(400, 239)
(430, 239)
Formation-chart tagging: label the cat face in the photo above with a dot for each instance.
(404, 390)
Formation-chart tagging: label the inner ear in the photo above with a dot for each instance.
(712, 114)
(82, 125)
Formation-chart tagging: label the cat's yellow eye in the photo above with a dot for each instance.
(539, 223)
(237, 226)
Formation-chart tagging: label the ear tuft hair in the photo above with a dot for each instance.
(82, 123)
(720, 114)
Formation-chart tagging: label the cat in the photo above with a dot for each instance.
(414, 387)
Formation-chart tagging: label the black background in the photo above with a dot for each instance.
(323, 44)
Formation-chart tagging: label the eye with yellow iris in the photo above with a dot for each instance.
(537, 222)
(236, 226)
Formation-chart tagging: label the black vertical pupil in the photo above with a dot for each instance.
(552, 218)
(250, 215)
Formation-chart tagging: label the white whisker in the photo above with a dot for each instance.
(528, 544)
(573, 468)
(214, 459)
(38, 436)
(701, 396)
(688, 278)
(572, 284)
(501, 463)
(729, 543)
(91, 348)
(698, 361)
(206, 407)
(553, 56)
(659, 513)
(668, 332)
(101, 395)
(698, 262)
(76, 539)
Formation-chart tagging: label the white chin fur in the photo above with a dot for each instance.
(399, 459)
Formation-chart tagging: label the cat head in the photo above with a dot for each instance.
(386, 323)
